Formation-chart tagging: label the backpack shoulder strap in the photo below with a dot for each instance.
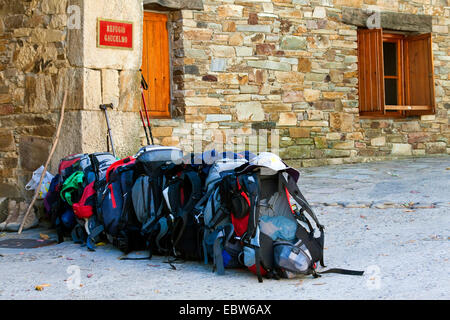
(250, 182)
(173, 195)
(188, 207)
(295, 192)
(196, 194)
(205, 195)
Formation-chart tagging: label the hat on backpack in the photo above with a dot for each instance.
(271, 164)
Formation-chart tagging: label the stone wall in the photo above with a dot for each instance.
(103, 76)
(291, 66)
(43, 54)
(33, 64)
(241, 68)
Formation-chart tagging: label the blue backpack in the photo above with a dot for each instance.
(116, 210)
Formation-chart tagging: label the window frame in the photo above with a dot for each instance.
(400, 77)
(401, 110)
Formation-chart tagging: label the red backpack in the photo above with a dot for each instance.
(85, 207)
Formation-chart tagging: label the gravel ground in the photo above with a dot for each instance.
(391, 219)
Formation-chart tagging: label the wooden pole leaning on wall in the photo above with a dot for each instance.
(55, 143)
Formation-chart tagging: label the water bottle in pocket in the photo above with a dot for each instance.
(292, 259)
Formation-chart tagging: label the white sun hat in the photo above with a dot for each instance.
(271, 163)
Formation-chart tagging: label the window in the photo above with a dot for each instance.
(156, 64)
(395, 74)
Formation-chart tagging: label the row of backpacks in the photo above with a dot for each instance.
(231, 210)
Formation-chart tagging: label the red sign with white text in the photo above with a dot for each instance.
(114, 34)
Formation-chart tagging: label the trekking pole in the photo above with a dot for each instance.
(104, 107)
(144, 86)
(145, 128)
(55, 143)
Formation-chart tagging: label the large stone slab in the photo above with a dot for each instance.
(82, 43)
(110, 86)
(272, 65)
(33, 152)
(249, 111)
(173, 4)
(293, 43)
(129, 91)
(435, 147)
(388, 20)
(253, 28)
(6, 140)
(92, 89)
(401, 149)
(126, 130)
(53, 6)
(70, 141)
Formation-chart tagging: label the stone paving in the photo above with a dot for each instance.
(391, 219)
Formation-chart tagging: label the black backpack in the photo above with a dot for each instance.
(183, 192)
(116, 210)
(252, 199)
(275, 258)
(155, 166)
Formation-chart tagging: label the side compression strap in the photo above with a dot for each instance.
(218, 258)
(204, 198)
(253, 189)
(223, 236)
(148, 226)
(258, 264)
(90, 242)
(162, 232)
(295, 192)
(343, 271)
(205, 250)
(77, 234)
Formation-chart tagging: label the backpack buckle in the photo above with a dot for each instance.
(198, 216)
(295, 250)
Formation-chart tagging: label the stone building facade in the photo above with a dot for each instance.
(44, 53)
(280, 75)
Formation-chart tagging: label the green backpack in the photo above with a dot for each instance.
(72, 187)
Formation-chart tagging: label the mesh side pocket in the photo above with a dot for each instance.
(291, 258)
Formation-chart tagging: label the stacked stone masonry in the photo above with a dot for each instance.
(43, 56)
(293, 64)
(288, 67)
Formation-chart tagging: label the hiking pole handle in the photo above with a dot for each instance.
(144, 83)
(104, 107)
(144, 86)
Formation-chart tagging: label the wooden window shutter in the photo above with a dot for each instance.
(419, 78)
(370, 69)
(156, 64)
